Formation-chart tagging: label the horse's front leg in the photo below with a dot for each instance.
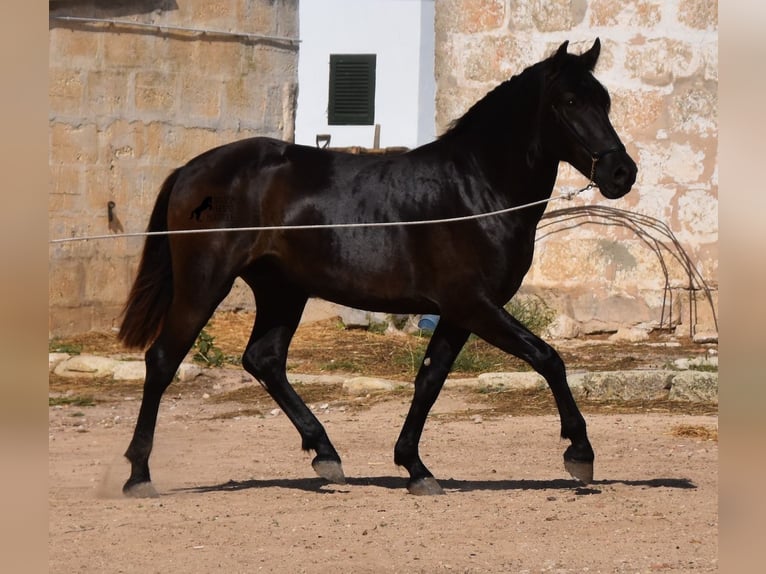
(442, 350)
(496, 326)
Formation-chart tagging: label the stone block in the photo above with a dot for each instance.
(65, 184)
(694, 386)
(219, 61)
(519, 16)
(630, 13)
(364, 385)
(513, 381)
(215, 13)
(693, 108)
(661, 61)
(563, 327)
(188, 371)
(627, 385)
(492, 59)
(65, 282)
(56, 358)
(699, 14)
(200, 97)
(179, 51)
(66, 89)
(638, 112)
(261, 18)
(630, 335)
(471, 16)
(107, 93)
(670, 162)
(73, 144)
(241, 97)
(122, 141)
(156, 92)
(129, 371)
(85, 366)
(558, 15)
(697, 214)
(127, 49)
(72, 48)
(171, 143)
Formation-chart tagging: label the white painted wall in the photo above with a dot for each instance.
(401, 33)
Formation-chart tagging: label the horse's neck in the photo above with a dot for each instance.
(511, 172)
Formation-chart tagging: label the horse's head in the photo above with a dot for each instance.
(577, 124)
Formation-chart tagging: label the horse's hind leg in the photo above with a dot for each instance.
(499, 328)
(442, 350)
(185, 318)
(278, 311)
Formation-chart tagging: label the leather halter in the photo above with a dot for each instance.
(595, 156)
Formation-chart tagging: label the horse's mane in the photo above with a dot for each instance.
(487, 112)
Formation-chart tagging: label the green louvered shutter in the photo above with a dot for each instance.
(352, 90)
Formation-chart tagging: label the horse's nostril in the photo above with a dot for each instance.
(622, 175)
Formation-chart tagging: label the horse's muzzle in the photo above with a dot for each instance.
(615, 174)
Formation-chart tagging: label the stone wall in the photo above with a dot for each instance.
(130, 103)
(659, 61)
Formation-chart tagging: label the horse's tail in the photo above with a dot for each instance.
(152, 291)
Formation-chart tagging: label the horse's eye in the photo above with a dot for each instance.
(571, 101)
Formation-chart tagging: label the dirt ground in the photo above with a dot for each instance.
(238, 495)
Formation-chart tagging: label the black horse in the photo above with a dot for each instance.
(503, 152)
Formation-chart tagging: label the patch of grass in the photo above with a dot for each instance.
(378, 327)
(532, 311)
(469, 361)
(205, 350)
(476, 357)
(409, 356)
(704, 368)
(57, 345)
(479, 357)
(691, 366)
(75, 401)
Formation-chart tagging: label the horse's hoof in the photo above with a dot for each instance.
(426, 486)
(140, 490)
(582, 471)
(330, 470)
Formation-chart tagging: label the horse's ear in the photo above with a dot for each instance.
(591, 56)
(562, 51)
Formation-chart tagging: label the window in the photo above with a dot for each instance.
(352, 90)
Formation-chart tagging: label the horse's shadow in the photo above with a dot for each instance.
(319, 485)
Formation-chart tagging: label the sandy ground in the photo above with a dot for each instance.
(238, 495)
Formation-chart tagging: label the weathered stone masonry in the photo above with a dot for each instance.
(659, 61)
(129, 104)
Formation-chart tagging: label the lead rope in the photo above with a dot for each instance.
(565, 195)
